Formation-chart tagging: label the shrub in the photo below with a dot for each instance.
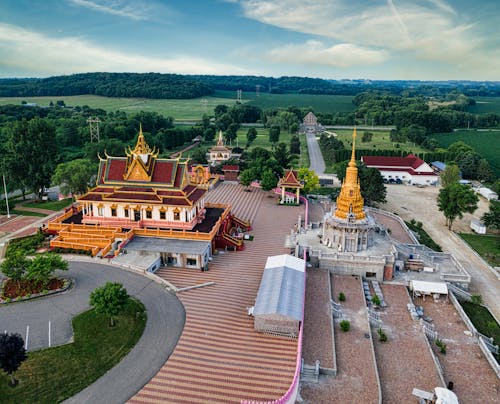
(441, 345)
(476, 299)
(381, 335)
(376, 300)
(341, 297)
(345, 325)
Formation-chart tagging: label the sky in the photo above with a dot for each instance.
(332, 39)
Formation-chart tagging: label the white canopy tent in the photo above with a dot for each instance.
(423, 288)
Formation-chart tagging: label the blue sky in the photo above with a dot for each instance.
(337, 39)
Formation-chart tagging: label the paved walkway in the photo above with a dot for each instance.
(219, 357)
(163, 328)
(404, 361)
(315, 155)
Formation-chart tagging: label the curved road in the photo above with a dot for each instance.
(166, 317)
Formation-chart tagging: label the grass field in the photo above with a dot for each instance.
(319, 103)
(54, 374)
(485, 142)
(192, 109)
(49, 205)
(380, 140)
(487, 246)
(485, 105)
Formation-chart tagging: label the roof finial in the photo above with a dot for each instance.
(353, 154)
(220, 142)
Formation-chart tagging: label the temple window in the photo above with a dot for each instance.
(125, 211)
(100, 210)
(113, 211)
(177, 215)
(149, 213)
(163, 215)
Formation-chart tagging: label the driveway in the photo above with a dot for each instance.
(315, 155)
(166, 317)
(420, 204)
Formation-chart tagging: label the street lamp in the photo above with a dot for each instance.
(5, 191)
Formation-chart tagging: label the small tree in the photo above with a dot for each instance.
(450, 175)
(269, 180)
(109, 299)
(246, 177)
(251, 135)
(441, 345)
(310, 179)
(345, 325)
(376, 300)
(14, 267)
(366, 137)
(456, 199)
(382, 336)
(274, 134)
(42, 267)
(492, 218)
(12, 354)
(341, 297)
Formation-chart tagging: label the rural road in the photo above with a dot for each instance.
(166, 317)
(420, 204)
(315, 155)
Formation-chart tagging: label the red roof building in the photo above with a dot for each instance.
(290, 180)
(231, 172)
(410, 169)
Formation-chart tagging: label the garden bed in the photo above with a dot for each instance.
(24, 290)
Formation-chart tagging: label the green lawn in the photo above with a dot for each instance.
(380, 140)
(50, 205)
(192, 109)
(485, 105)
(485, 142)
(487, 246)
(54, 374)
(423, 236)
(484, 322)
(26, 213)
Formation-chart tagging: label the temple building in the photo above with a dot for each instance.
(348, 228)
(142, 196)
(290, 181)
(220, 152)
(310, 124)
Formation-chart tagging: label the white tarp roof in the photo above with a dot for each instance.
(285, 260)
(281, 289)
(430, 287)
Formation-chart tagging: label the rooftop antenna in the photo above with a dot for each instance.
(94, 128)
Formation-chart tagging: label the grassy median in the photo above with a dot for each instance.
(54, 374)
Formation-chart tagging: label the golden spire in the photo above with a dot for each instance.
(220, 141)
(350, 202)
(141, 147)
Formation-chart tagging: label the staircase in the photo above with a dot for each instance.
(309, 373)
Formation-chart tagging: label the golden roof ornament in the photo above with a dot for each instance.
(141, 147)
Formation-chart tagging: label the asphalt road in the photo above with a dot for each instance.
(315, 155)
(166, 317)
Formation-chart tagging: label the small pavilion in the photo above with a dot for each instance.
(290, 181)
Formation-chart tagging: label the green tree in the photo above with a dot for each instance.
(366, 137)
(310, 179)
(41, 268)
(274, 134)
(199, 156)
(456, 199)
(281, 155)
(492, 218)
(12, 354)
(75, 176)
(246, 177)
(484, 171)
(251, 135)
(269, 180)
(286, 119)
(450, 175)
(295, 145)
(109, 299)
(14, 267)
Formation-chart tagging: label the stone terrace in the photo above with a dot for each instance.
(356, 380)
(398, 232)
(464, 363)
(318, 338)
(219, 357)
(404, 361)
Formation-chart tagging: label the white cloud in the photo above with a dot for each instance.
(425, 30)
(134, 11)
(38, 54)
(315, 52)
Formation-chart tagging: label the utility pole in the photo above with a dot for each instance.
(94, 128)
(238, 95)
(5, 190)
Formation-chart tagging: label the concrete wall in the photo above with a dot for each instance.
(276, 323)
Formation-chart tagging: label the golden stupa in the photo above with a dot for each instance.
(350, 202)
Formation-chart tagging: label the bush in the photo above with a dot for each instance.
(376, 300)
(25, 245)
(341, 297)
(345, 325)
(441, 345)
(381, 335)
(476, 299)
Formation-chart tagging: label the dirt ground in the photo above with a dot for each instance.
(411, 202)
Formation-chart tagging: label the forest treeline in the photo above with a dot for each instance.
(176, 86)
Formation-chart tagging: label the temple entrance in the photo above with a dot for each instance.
(137, 215)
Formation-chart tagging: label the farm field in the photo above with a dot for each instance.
(380, 140)
(485, 142)
(178, 109)
(485, 105)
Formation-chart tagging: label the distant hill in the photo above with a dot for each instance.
(175, 86)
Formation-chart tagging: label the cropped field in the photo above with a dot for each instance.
(319, 103)
(192, 109)
(485, 142)
(380, 141)
(485, 105)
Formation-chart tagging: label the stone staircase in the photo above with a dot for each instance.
(309, 373)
